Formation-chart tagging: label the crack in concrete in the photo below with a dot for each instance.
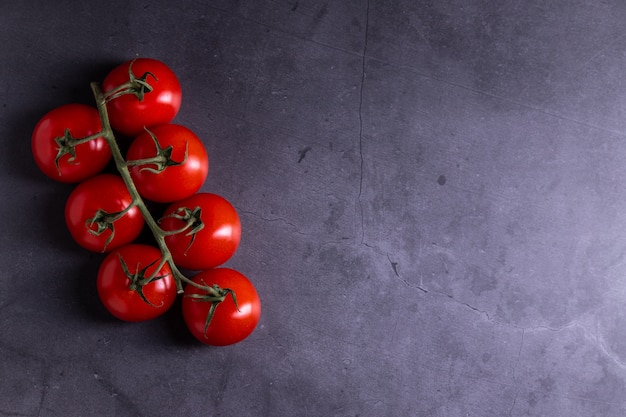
(125, 401)
(394, 266)
(44, 392)
(223, 382)
(302, 153)
(515, 366)
(415, 287)
(358, 198)
(13, 414)
(513, 405)
(519, 355)
(595, 338)
(276, 219)
(471, 307)
(257, 74)
(341, 240)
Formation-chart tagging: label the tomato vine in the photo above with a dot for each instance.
(73, 143)
(122, 168)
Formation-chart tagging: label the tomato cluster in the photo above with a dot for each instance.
(107, 211)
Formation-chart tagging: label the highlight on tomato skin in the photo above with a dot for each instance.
(214, 243)
(76, 163)
(129, 114)
(184, 172)
(231, 323)
(100, 220)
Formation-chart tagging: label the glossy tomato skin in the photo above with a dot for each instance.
(114, 285)
(91, 156)
(109, 193)
(230, 324)
(215, 243)
(129, 115)
(175, 182)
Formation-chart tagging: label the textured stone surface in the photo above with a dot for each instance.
(431, 196)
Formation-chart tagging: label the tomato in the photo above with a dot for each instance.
(52, 148)
(230, 323)
(119, 283)
(182, 170)
(91, 211)
(213, 234)
(146, 107)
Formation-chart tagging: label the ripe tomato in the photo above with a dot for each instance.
(119, 283)
(217, 231)
(148, 107)
(182, 171)
(56, 157)
(230, 323)
(91, 209)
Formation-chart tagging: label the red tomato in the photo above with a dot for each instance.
(91, 209)
(147, 107)
(66, 163)
(230, 323)
(119, 283)
(217, 231)
(181, 173)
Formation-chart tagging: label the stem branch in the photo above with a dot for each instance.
(122, 167)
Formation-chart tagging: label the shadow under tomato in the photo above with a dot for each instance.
(176, 328)
(86, 291)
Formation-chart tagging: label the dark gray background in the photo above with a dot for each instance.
(432, 198)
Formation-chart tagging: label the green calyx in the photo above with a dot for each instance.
(138, 86)
(103, 221)
(100, 223)
(162, 159)
(139, 279)
(193, 222)
(215, 298)
(66, 145)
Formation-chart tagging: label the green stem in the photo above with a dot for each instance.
(122, 167)
(119, 91)
(76, 142)
(155, 160)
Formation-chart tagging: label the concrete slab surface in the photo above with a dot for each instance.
(432, 197)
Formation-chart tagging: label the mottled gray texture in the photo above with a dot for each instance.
(432, 199)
